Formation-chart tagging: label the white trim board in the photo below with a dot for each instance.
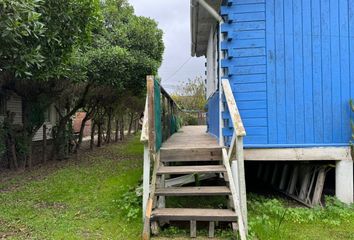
(298, 154)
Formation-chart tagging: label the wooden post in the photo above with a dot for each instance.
(305, 183)
(316, 199)
(211, 229)
(44, 149)
(242, 181)
(146, 178)
(193, 230)
(161, 203)
(151, 113)
(293, 180)
(284, 177)
(151, 147)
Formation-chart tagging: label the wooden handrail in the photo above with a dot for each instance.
(232, 106)
(148, 120)
(237, 166)
(152, 142)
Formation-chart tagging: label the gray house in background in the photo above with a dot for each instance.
(13, 103)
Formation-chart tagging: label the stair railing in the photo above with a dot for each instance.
(235, 172)
(159, 123)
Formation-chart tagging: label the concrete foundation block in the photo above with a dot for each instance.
(344, 181)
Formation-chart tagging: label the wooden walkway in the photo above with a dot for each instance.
(191, 137)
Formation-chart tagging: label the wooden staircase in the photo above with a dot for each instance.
(185, 161)
(181, 158)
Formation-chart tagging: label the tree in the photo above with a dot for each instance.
(38, 38)
(191, 94)
(191, 98)
(77, 54)
(126, 48)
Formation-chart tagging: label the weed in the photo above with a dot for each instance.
(272, 219)
(130, 203)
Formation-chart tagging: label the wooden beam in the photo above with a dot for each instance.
(196, 214)
(321, 177)
(191, 169)
(193, 191)
(191, 154)
(298, 154)
(306, 172)
(293, 180)
(183, 180)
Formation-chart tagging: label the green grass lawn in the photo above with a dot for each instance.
(82, 200)
(94, 197)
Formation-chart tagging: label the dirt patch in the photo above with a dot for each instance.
(54, 205)
(9, 230)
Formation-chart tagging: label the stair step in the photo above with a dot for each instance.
(197, 214)
(191, 169)
(190, 154)
(193, 191)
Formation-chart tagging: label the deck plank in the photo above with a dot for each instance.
(191, 137)
(197, 214)
(191, 154)
(193, 191)
(191, 169)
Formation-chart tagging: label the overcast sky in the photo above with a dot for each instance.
(173, 17)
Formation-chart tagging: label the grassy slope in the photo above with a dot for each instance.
(78, 201)
(83, 200)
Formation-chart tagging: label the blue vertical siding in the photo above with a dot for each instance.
(291, 67)
(213, 114)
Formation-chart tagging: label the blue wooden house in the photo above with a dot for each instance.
(280, 75)
(290, 64)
